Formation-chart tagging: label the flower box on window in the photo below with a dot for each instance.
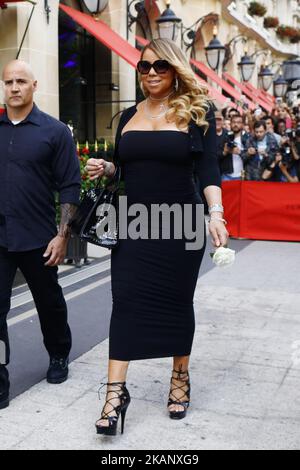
(271, 22)
(288, 32)
(257, 9)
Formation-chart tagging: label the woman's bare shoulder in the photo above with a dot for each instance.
(140, 105)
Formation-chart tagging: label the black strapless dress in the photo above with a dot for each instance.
(153, 280)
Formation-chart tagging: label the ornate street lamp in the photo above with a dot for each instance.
(95, 6)
(215, 52)
(246, 66)
(266, 77)
(291, 70)
(231, 46)
(168, 24)
(140, 16)
(280, 87)
(189, 35)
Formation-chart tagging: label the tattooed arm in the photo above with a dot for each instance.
(57, 248)
(67, 211)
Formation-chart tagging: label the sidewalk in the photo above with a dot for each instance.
(245, 373)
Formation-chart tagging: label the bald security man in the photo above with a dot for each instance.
(37, 158)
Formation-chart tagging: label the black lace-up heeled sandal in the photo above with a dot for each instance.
(116, 392)
(184, 399)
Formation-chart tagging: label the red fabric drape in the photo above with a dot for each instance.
(262, 211)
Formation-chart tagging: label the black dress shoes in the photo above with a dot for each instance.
(58, 370)
(4, 388)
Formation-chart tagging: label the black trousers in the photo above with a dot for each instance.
(47, 295)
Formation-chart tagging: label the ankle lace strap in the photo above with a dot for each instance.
(181, 373)
(119, 387)
(116, 383)
(118, 393)
(184, 389)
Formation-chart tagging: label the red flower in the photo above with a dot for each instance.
(85, 151)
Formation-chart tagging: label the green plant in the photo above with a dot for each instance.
(257, 9)
(271, 22)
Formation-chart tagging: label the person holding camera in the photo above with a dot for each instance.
(231, 163)
(281, 170)
(260, 151)
(285, 167)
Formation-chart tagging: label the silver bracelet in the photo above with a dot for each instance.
(215, 208)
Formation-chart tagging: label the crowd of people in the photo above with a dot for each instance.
(257, 146)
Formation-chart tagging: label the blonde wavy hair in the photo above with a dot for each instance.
(191, 100)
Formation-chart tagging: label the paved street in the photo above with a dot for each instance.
(245, 369)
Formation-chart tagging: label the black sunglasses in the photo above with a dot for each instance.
(160, 66)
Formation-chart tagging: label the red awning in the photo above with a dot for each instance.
(258, 93)
(248, 92)
(268, 96)
(235, 94)
(103, 33)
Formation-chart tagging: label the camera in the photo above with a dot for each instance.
(230, 140)
(286, 154)
(290, 133)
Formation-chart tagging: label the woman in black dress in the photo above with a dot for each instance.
(161, 144)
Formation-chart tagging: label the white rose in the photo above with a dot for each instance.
(223, 257)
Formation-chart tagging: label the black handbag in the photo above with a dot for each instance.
(96, 219)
